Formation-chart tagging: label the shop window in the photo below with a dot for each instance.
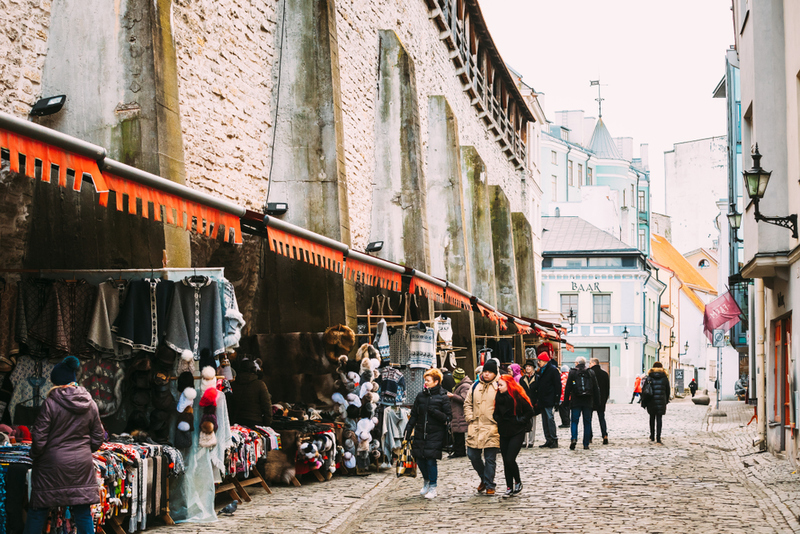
(602, 308)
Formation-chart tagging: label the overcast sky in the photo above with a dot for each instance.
(660, 61)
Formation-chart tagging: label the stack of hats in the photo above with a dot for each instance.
(183, 434)
(208, 423)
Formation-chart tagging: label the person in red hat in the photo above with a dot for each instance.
(548, 395)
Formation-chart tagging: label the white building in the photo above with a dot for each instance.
(695, 177)
(610, 290)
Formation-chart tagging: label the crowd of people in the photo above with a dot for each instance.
(497, 412)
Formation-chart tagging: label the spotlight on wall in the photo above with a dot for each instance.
(375, 246)
(277, 208)
(48, 106)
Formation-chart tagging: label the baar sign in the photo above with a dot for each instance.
(588, 287)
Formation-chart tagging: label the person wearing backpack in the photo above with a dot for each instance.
(655, 397)
(582, 393)
(548, 394)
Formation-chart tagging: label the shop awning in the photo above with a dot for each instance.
(183, 206)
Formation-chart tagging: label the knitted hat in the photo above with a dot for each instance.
(209, 381)
(490, 365)
(543, 357)
(187, 397)
(183, 440)
(64, 372)
(459, 374)
(565, 369)
(207, 360)
(207, 440)
(210, 417)
(185, 380)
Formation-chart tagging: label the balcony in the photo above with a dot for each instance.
(483, 97)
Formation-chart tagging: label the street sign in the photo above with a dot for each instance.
(679, 381)
(719, 338)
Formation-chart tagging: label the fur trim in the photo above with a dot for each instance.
(341, 336)
(231, 341)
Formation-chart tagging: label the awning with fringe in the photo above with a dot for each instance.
(299, 248)
(178, 211)
(426, 289)
(372, 275)
(457, 299)
(50, 155)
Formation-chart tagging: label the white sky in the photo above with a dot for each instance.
(660, 61)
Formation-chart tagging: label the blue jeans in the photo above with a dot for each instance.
(587, 424)
(429, 470)
(485, 471)
(81, 516)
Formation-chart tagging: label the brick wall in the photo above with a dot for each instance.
(23, 45)
(225, 51)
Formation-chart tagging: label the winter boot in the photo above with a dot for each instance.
(572, 444)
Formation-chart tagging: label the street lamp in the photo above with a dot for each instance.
(571, 318)
(756, 180)
(671, 340)
(685, 350)
(735, 222)
(625, 334)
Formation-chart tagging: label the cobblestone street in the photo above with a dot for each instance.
(707, 477)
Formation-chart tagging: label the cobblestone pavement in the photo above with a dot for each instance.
(707, 477)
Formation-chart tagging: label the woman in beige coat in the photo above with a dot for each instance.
(483, 440)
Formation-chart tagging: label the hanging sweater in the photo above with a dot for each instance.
(421, 348)
(194, 321)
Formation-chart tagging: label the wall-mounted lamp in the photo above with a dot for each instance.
(625, 335)
(735, 222)
(571, 318)
(685, 349)
(375, 246)
(277, 208)
(48, 106)
(671, 340)
(756, 180)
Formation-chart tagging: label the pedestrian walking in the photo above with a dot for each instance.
(582, 393)
(656, 404)
(548, 394)
(459, 424)
(428, 421)
(483, 440)
(66, 433)
(516, 371)
(563, 407)
(693, 386)
(529, 385)
(604, 383)
(514, 413)
(637, 389)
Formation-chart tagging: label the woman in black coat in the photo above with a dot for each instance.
(428, 421)
(656, 404)
(513, 413)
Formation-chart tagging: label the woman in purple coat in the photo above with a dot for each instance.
(66, 433)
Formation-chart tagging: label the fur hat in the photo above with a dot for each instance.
(64, 373)
(367, 351)
(341, 336)
(186, 365)
(185, 380)
(183, 439)
(490, 365)
(209, 418)
(209, 398)
(209, 381)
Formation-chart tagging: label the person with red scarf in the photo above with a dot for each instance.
(513, 413)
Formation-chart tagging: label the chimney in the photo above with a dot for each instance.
(645, 156)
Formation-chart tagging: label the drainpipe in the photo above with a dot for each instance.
(761, 382)
(644, 308)
(636, 215)
(566, 166)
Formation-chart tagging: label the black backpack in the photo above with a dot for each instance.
(583, 383)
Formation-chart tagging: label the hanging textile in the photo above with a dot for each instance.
(233, 320)
(421, 348)
(8, 313)
(381, 341)
(63, 323)
(195, 318)
(110, 296)
(32, 294)
(455, 298)
(141, 323)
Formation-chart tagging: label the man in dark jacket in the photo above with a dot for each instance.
(548, 395)
(605, 388)
(582, 393)
(251, 403)
(656, 404)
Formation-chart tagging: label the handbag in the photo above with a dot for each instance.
(449, 439)
(406, 465)
(647, 388)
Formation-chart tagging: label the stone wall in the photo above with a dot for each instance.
(24, 28)
(226, 54)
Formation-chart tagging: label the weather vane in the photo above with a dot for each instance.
(599, 98)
